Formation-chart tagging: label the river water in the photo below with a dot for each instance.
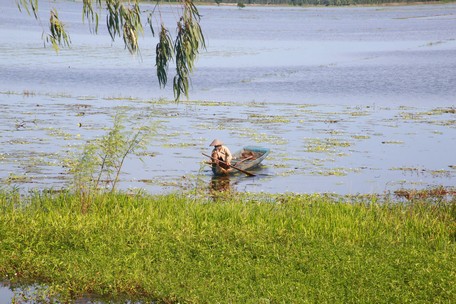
(349, 100)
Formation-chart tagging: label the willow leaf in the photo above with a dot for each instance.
(58, 36)
(123, 19)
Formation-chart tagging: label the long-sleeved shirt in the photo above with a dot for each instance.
(222, 153)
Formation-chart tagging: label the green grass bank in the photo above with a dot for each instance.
(237, 249)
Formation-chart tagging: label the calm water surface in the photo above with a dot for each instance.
(350, 100)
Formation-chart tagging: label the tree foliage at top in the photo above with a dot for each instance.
(124, 20)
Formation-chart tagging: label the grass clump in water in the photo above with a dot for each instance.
(244, 249)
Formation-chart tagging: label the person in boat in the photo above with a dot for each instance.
(221, 153)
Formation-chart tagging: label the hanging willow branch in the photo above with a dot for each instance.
(132, 27)
(57, 35)
(164, 53)
(91, 15)
(123, 19)
(188, 42)
(28, 5)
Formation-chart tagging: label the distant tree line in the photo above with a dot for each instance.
(319, 2)
(309, 2)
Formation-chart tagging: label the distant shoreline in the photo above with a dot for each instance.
(315, 5)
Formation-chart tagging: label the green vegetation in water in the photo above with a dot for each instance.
(423, 171)
(15, 178)
(267, 119)
(239, 249)
(327, 145)
(335, 171)
(360, 136)
(179, 145)
(263, 137)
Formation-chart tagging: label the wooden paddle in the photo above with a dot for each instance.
(243, 160)
(248, 173)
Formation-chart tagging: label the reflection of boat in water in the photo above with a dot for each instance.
(247, 158)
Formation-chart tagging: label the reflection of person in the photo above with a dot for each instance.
(221, 152)
(220, 184)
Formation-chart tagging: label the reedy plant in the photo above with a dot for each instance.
(102, 159)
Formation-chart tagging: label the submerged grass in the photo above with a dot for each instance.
(283, 248)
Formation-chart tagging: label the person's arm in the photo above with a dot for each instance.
(229, 157)
(214, 157)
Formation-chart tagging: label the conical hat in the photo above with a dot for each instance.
(216, 142)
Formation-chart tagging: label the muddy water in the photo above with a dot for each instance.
(349, 100)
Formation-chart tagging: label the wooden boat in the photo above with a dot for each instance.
(247, 158)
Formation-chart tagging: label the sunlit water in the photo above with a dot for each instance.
(320, 55)
(349, 100)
